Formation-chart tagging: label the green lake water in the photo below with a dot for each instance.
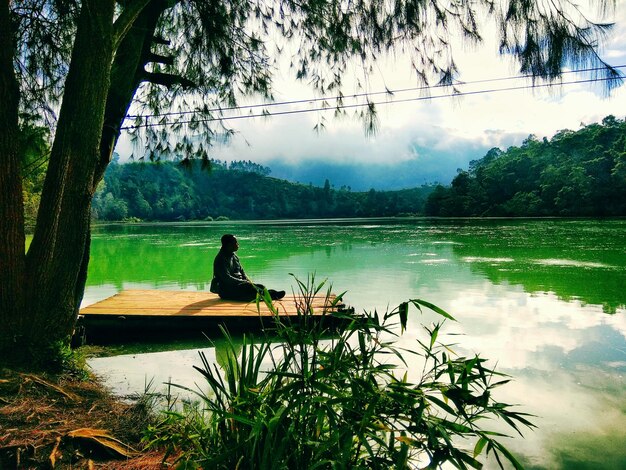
(544, 299)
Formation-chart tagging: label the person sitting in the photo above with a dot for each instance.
(229, 279)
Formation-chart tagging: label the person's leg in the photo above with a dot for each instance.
(243, 292)
(248, 292)
(274, 294)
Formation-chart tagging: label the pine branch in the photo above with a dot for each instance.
(168, 80)
(161, 59)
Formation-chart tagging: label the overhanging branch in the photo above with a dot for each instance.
(168, 80)
(161, 59)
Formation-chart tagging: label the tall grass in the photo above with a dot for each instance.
(308, 402)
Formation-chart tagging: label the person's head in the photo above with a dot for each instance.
(229, 243)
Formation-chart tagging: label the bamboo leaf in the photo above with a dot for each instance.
(433, 307)
(440, 403)
(480, 444)
(468, 459)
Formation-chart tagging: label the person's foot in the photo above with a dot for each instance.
(277, 295)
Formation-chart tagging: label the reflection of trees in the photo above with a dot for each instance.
(588, 245)
(183, 254)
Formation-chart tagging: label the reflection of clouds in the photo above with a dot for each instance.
(567, 410)
(482, 259)
(617, 321)
(533, 323)
(570, 262)
(567, 361)
(129, 373)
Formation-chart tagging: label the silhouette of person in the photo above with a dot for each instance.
(230, 280)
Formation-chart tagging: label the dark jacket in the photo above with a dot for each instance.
(227, 272)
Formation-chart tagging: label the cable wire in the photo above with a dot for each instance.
(359, 95)
(39, 161)
(361, 105)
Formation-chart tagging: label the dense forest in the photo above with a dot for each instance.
(169, 191)
(576, 173)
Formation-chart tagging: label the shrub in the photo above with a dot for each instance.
(340, 402)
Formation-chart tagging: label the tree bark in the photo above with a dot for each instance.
(98, 92)
(127, 73)
(56, 261)
(12, 258)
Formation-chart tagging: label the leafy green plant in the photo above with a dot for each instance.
(299, 399)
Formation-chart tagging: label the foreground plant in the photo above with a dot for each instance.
(356, 400)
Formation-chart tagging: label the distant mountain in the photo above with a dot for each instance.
(359, 177)
(426, 166)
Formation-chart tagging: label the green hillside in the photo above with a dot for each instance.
(576, 173)
(168, 191)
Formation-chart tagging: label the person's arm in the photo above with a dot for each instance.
(222, 272)
(243, 273)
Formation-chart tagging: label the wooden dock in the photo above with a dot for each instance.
(138, 312)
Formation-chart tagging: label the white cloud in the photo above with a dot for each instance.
(476, 122)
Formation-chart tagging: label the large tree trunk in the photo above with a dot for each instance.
(12, 259)
(98, 93)
(56, 261)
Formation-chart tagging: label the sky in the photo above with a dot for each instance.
(421, 142)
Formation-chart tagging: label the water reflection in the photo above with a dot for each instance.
(546, 299)
(129, 374)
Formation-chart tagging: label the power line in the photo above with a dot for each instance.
(39, 161)
(359, 95)
(361, 105)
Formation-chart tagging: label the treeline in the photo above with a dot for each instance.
(581, 173)
(168, 191)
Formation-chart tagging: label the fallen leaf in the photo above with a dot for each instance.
(55, 452)
(104, 439)
(56, 388)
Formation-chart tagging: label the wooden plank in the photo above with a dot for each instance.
(197, 304)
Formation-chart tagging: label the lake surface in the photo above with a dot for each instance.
(544, 299)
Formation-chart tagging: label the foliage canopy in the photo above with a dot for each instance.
(203, 56)
(166, 192)
(576, 173)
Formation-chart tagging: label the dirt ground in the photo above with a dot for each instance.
(65, 422)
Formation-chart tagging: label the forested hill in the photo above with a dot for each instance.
(581, 173)
(168, 191)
